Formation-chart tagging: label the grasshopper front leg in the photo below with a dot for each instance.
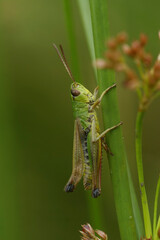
(95, 93)
(98, 101)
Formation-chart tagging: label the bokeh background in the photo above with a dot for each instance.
(36, 123)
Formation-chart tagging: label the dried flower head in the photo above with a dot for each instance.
(102, 234)
(89, 234)
(143, 39)
(144, 77)
(122, 38)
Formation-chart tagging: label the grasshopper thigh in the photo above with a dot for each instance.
(95, 152)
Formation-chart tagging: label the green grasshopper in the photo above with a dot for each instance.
(88, 142)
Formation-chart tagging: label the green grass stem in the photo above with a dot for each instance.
(155, 208)
(146, 215)
(157, 235)
(72, 39)
(118, 167)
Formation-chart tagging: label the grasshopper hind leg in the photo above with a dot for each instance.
(96, 146)
(95, 155)
(96, 193)
(69, 187)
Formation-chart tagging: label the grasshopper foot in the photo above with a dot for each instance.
(69, 187)
(96, 193)
(106, 148)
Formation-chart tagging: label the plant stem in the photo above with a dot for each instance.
(146, 215)
(155, 208)
(118, 166)
(87, 24)
(72, 38)
(157, 230)
(136, 210)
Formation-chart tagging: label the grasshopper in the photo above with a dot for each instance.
(88, 141)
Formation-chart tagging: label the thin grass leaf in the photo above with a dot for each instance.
(118, 165)
(135, 205)
(84, 8)
(155, 209)
(157, 233)
(146, 213)
(72, 39)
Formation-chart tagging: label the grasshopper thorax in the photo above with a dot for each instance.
(80, 93)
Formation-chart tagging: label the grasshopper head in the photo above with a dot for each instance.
(80, 93)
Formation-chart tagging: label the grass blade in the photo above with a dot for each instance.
(146, 214)
(155, 208)
(118, 166)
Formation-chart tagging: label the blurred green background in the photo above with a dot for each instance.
(36, 123)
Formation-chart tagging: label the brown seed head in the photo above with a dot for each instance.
(131, 80)
(100, 63)
(130, 74)
(143, 39)
(158, 58)
(126, 49)
(158, 86)
(131, 84)
(157, 75)
(146, 59)
(156, 70)
(116, 59)
(89, 234)
(119, 67)
(113, 56)
(87, 230)
(157, 66)
(112, 43)
(122, 37)
(151, 79)
(84, 235)
(135, 47)
(102, 234)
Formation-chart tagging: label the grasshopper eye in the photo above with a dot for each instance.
(75, 92)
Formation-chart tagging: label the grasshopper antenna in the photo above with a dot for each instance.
(64, 61)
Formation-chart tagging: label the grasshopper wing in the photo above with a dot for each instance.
(78, 157)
